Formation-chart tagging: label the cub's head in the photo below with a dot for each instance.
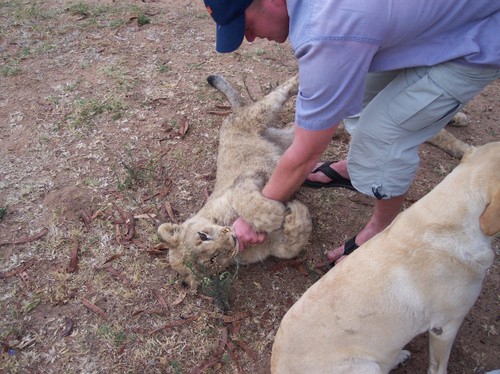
(199, 248)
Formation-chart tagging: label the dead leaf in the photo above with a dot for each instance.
(182, 296)
(98, 213)
(130, 227)
(220, 112)
(231, 319)
(160, 299)
(112, 258)
(145, 216)
(233, 356)
(184, 126)
(119, 276)
(86, 219)
(68, 328)
(94, 308)
(170, 211)
(73, 261)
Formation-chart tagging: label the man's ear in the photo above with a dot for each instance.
(170, 234)
(490, 219)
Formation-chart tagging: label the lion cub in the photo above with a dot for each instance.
(249, 148)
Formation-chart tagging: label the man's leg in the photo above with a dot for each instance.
(383, 214)
(383, 156)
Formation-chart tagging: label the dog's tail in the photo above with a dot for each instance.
(233, 96)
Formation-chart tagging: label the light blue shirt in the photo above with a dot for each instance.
(337, 42)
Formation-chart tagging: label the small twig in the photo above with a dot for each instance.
(20, 269)
(232, 354)
(42, 233)
(174, 324)
(216, 356)
(225, 107)
(220, 112)
(249, 351)
(121, 213)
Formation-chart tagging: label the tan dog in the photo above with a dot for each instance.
(423, 273)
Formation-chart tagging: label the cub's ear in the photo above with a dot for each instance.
(170, 234)
(490, 219)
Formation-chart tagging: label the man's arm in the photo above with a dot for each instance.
(289, 174)
(297, 162)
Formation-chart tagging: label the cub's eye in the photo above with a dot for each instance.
(204, 237)
(214, 258)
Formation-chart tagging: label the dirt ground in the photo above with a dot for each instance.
(107, 130)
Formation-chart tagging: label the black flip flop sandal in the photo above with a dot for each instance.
(337, 180)
(350, 246)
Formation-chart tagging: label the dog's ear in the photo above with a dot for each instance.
(170, 234)
(490, 219)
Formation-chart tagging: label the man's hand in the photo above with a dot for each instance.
(246, 235)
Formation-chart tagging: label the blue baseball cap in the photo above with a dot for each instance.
(229, 15)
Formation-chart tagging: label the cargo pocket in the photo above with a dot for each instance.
(420, 105)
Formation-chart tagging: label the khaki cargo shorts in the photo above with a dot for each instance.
(401, 110)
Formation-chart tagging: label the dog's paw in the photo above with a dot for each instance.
(403, 357)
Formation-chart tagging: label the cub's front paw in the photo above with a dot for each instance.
(265, 215)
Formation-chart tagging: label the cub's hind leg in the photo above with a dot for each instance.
(282, 137)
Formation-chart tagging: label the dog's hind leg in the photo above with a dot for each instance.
(440, 342)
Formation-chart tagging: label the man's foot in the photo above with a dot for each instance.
(385, 212)
(338, 254)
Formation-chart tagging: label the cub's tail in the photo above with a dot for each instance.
(233, 96)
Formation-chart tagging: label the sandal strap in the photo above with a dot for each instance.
(326, 169)
(350, 246)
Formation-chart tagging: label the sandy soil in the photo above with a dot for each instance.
(107, 130)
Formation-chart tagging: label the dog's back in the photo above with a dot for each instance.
(423, 273)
